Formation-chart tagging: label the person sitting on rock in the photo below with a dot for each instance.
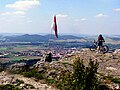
(48, 57)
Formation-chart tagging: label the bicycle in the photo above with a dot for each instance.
(104, 49)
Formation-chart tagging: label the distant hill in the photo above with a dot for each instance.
(25, 38)
(116, 38)
(38, 38)
(65, 37)
(44, 38)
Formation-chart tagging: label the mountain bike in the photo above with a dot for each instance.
(104, 48)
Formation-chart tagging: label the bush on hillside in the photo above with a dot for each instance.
(82, 78)
(33, 73)
(9, 87)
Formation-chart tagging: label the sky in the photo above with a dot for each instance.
(73, 16)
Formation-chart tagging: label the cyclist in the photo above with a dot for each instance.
(100, 42)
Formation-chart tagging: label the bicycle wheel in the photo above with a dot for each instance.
(93, 47)
(105, 49)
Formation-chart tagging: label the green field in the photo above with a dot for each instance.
(3, 48)
(23, 58)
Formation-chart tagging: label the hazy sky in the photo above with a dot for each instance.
(73, 16)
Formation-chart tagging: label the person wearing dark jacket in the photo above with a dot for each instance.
(48, 57)
(100, 42)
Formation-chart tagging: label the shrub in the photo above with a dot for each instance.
(38, 76)
(112, 79)
(31, 86)
(116, 80)
(33, 73)
(82, 78)
(19, 82)
(103, 87)
(50, 81)
(1, 69)
(9, 87)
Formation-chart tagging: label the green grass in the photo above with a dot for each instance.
(25, 47)
(17, 58)
(23, 57)
(116, 80)
(112, 79)
(3, 48)
(50, 81)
